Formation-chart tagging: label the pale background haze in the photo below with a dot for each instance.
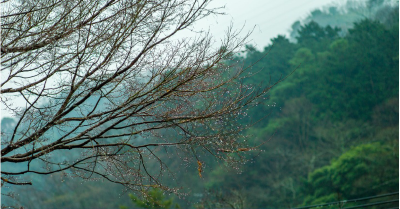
(267, 18)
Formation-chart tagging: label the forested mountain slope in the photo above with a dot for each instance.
(333, 126)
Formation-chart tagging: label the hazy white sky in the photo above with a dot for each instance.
(268, 17)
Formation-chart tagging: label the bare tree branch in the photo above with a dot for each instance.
(105, 83)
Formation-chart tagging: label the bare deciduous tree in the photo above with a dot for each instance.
(106, 86)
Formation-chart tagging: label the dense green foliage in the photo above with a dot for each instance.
(333, 126)
(154, 198)
(364, 170)
(331, 133)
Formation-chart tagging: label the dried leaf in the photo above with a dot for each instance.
(200, 167)
(243, 149)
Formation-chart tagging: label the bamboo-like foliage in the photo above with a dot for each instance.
(105, 85)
